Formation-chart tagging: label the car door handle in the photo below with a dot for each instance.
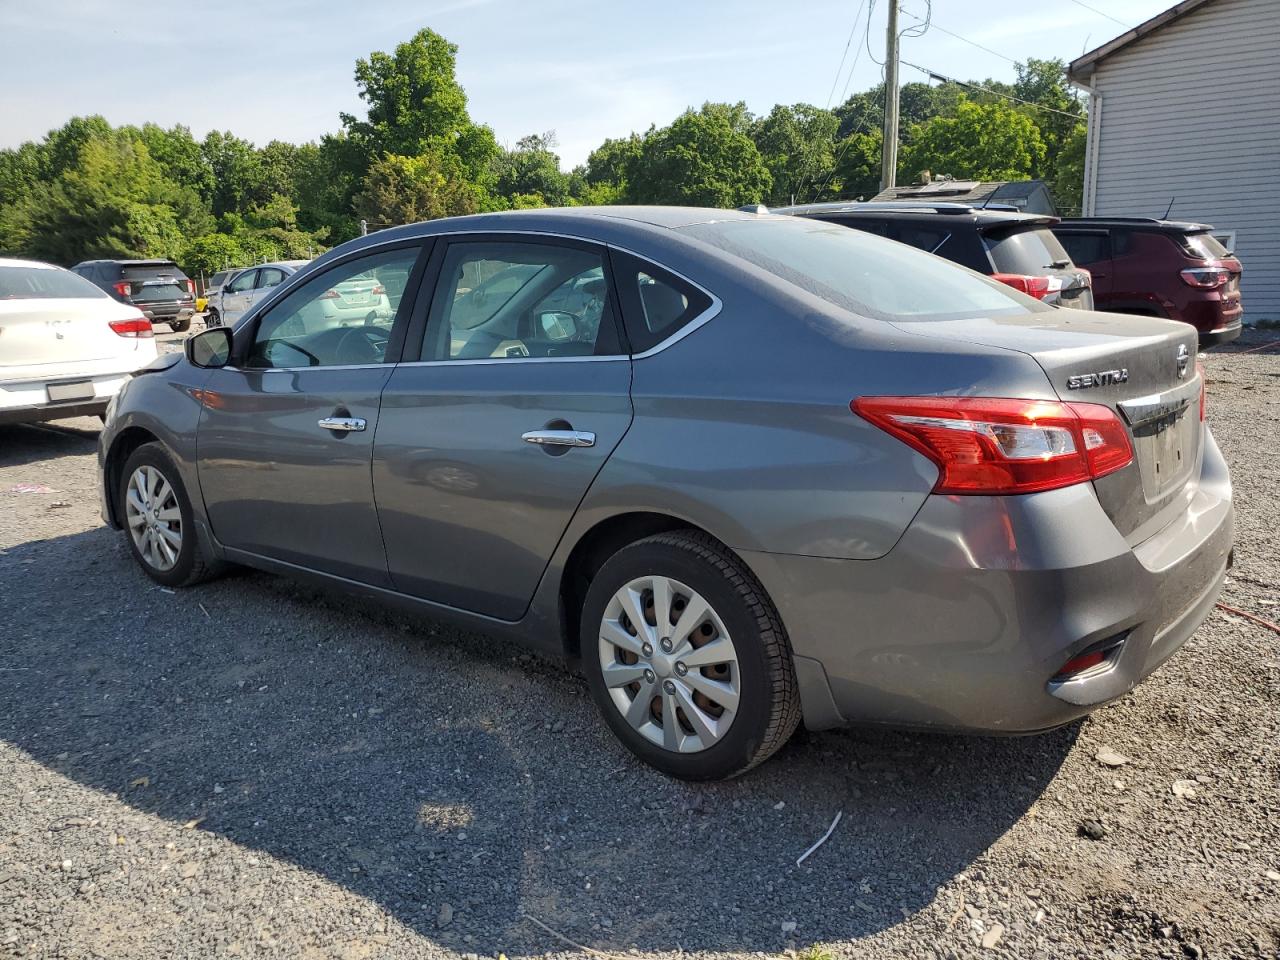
(342, 424)
(560, 438)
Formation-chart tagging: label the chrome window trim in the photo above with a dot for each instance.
(700, 320)
(327, 366)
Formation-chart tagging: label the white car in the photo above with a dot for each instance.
(66, 348)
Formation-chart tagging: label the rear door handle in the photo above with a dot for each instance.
(342, 424)
(560, 438)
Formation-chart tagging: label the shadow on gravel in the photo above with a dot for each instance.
(415, 766)
(25, 443)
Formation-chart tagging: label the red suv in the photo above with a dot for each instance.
(1162, 268)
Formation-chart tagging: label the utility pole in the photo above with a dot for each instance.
(889, 154)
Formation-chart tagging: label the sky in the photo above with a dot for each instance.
(587, 69)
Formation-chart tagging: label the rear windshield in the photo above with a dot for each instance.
(1029, 252)
(1204, 245)
(167, 290)
(152, 271)
(44, 283)
(861, 272)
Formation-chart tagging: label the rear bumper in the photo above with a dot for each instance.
(1217, 320)
(1213, 338)
(53, 411)
(965, 624)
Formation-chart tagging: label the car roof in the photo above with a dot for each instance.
(291, 264)
(1145, 223)
(133, 263)
(916, 210)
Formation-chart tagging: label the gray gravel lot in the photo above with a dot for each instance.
(248, 768)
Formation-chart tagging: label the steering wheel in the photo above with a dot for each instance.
(370, 345)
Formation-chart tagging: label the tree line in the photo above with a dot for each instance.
(91, 190)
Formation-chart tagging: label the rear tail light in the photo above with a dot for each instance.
(1038, 287)
(997, 446)
(330, 295)
(123, 287)
(378, 290)
(1204, 379)
(191, 287)
(1095, 659)
(1206, 278)
(138, 326)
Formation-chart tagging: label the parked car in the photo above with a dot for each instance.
(778, 469)
(1160, 268)
(158, 288)
(250, 285)
(212, 308)
(66, 347)
(1015, 248)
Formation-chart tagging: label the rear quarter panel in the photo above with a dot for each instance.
(743, 427)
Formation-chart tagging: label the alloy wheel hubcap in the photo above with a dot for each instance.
(154, 519)
(670, 664)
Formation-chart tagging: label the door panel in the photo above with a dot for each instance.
(277, 484)
(470, 511)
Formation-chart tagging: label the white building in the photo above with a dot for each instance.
(1184, 116)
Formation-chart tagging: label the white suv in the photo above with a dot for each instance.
(66, 348)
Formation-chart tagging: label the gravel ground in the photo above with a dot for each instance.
(250, 769)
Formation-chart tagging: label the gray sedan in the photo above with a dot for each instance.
(743, 470)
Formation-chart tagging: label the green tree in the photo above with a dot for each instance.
(917, 102)
(1068, 177)
(415, 105)
(705, 158)
(115, 202)
(532, 169)
(797, 145)
(857, 168)
(399, 189)
(980, 142)
(178, 154)
(234, 166)
(211, 252)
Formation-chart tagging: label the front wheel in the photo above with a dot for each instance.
(211, 319)
(687, 658)
(158, 519)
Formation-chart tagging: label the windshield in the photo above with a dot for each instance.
(1029, 252)
(44, 283)
(861, 272)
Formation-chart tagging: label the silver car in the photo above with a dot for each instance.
(743, 470)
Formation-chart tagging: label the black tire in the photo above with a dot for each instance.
(211, 319)
(190, 567)
(769, 704)
(180, 326)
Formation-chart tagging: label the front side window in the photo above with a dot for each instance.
(863, 273)
(269, 277)
(340, 317)
(512, 300)
(242, 282)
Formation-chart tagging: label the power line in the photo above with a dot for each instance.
(934, 75)
(972, 43)
(1081, 3)
(866, 106)
(840, 69)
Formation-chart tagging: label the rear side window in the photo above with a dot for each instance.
(925, 238)
(1203, 246)
(1086, 248)
(1028, 252)
(45, 283)
(656, 303)
(862, 273)
(152, 291)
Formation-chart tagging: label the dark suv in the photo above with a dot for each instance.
(1016, 248)
(1162, 268)
(156, 287)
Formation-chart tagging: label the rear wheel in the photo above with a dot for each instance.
(687, 659)
(180, 326)
(157, 517)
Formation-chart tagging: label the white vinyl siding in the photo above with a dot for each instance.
(1192, 111)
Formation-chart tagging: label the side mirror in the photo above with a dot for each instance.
(210, 349)
(558, 326)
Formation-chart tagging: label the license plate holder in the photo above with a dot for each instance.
(80, 390)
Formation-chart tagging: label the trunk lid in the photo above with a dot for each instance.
(1144, 368)
(52, 331)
